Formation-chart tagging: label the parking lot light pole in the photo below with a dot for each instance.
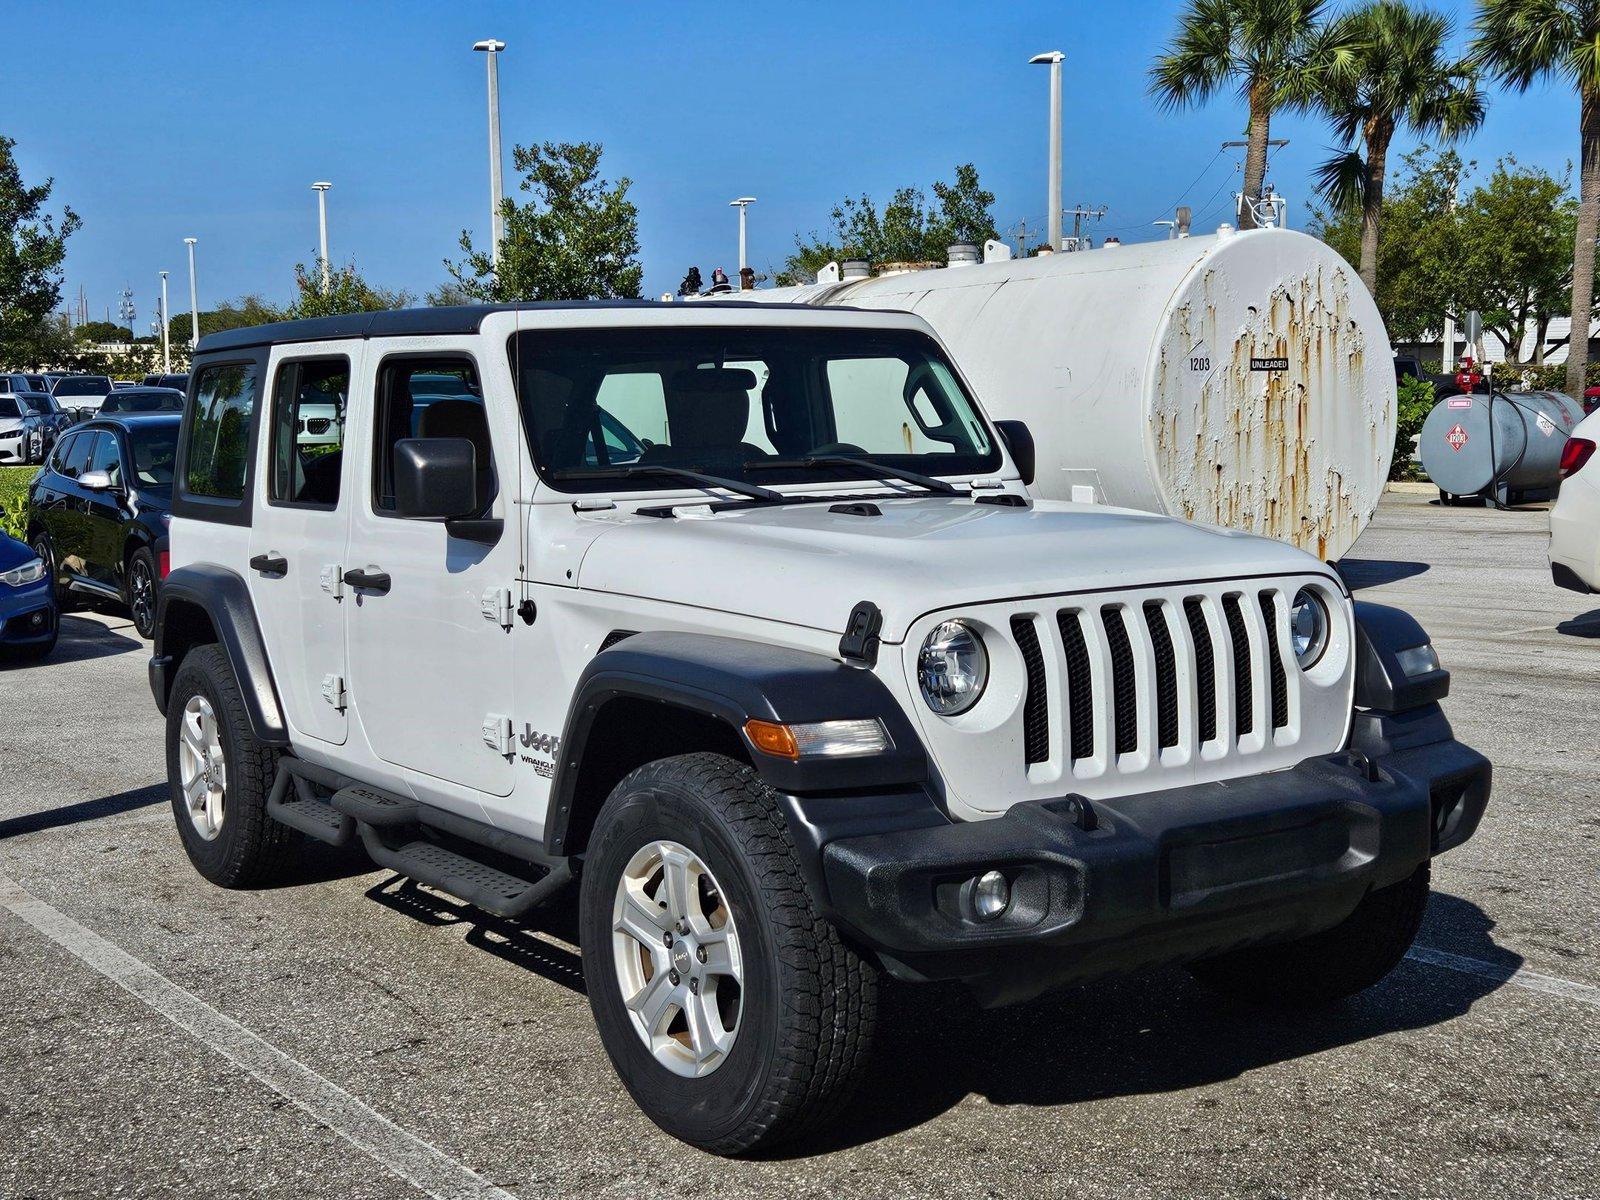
(321, 189)
(1053, 58)
(491, 47)
(194, 298)
(742, 203)
(166, 348)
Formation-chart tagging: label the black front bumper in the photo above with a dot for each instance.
(1140, 881)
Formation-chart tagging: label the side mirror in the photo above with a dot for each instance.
(95, 481)
(435, 478)
(1019, 440)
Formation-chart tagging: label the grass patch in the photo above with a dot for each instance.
(13, 495)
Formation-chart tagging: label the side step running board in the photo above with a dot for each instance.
(475, 882)
(359, 808)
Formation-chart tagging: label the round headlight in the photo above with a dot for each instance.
(1308, 628)
(952, 668)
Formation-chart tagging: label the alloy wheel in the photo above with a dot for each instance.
(202, 767)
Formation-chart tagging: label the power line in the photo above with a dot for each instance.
(1204, 171)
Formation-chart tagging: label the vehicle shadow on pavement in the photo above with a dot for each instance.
(87, 810)
(81, 640)
(1153, 1033)
(525, 942)
(1584, 625)
(1359, 573)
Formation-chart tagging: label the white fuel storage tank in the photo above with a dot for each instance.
(1240, 379)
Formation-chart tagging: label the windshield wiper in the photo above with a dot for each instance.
(641, 470)
(882, 470)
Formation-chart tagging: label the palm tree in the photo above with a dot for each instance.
(1518, 42)
(1398, 75)
(1271, 48)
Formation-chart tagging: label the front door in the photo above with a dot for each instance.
(298, 536)
(106, 511)
(430, 653)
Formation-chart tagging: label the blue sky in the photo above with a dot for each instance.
(161, 120)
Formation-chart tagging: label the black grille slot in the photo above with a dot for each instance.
(615, 636)
(1205, 667)
(1279, 685)
(1125, 724)
(1036, 703)
(1243, 698)
(1155, 620)
(1080, 689)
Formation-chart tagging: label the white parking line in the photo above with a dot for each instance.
(425, 1167)
(1550, 985)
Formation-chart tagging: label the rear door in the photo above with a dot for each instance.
(298, 536)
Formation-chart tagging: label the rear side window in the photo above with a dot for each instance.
(308, 408)
(218, 449)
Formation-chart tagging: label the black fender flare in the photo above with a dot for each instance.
(224, 597)
(1381, 683)
(735, 681)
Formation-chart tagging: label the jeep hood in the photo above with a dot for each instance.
(806, 565)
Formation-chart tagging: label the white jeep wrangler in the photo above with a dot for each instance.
(742, 621)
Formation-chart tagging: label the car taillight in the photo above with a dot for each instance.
(1574, 454)
(165, 564)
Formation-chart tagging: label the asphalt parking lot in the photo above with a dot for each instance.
(350, 1035)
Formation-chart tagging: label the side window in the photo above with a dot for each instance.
(106, 457)
(9, 407)
(926, 422)
(638, 403)
(308, 408)
(429, 398)
(218, 451)
(67, 461)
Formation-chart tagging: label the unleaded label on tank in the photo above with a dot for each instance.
(1269, 364)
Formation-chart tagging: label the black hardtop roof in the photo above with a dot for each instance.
(411, 322)
(129, 419)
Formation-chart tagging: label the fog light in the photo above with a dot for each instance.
(991, 895)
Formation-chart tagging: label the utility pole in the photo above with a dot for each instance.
(1053, 59)
(491, 48)
(166, 349)
(321, 189)
(742, 203)
(1078, 214)
(194, 298)
(1447, 350)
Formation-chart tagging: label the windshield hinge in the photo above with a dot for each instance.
(860, 640)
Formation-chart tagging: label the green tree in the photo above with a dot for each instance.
(1399, 75)
(576, 238)
(250, 309)
(907, 229)
(33, 246)
(345, 292)
(1521, 41)
(102, 331)
(1277, 53)
(1515, 265)
(446, 295)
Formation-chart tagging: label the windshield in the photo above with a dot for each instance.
(155, 446)
(84, 385)
(727, 400)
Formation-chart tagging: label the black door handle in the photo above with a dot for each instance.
(270, 564)
(370, 581)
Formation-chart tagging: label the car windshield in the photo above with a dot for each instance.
(84, 385)
(155, 447)
(743, 403)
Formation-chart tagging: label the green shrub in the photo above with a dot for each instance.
(13, 516)
(1415, 402)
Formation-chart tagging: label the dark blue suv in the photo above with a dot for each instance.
(28, 615)
(98, 512)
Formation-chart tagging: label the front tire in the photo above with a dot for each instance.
(788, 1025)
(1329, 966)
(218, 776)
(46, 550)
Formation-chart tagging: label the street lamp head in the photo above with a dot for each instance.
(163, 274)
(321, 186)
(190, 241)
(492, 45)
(1049, 56)
(741, 201)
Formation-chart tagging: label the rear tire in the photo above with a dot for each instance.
(1329, 966)
(806, 1001)
(221, 809)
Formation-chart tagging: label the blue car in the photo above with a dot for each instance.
(29, 620)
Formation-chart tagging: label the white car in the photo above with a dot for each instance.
(741, 620)
(1575, 519)
(83, 393)
(17, 435)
